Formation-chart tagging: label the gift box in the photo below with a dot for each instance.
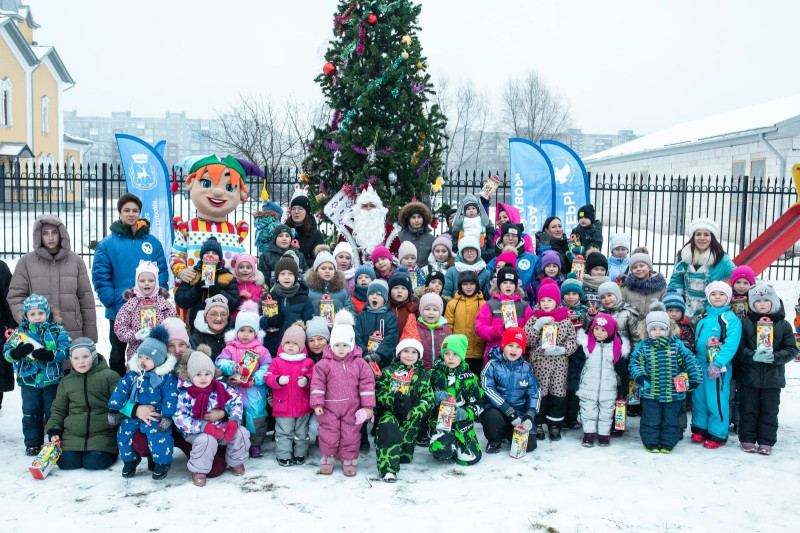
(764, 334)
(519, 442)
(247, 367)
(402, 381)
(633, 393)
(45, 461)
(147, 314)
(489, 186)
(619, 415)
(374, 342)
(681, 382)
(207, 273)
(447, 415)
(578, 267)
(508, 310)
(549, 334)
(326, 308)
(739, 306)
(269, 307)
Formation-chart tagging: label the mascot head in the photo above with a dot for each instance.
(216, 187)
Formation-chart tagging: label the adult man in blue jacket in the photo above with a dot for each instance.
(115, 260)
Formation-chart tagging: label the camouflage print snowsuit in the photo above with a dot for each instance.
(461, 443)
(397, 438)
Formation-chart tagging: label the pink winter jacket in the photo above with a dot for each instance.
(513, 216)
(290, 400)
(489, 326)
(342, 386)
(129, 321)
(253, 287)
(234, 351)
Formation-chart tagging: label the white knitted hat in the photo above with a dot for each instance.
(703, 223)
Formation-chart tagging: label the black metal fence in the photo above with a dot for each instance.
(654, 210)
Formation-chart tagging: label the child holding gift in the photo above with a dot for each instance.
(402, 301)
(199, 394)
(452, 379)
(37, 349)
(376, 316)
(571, 296)
(676, 307)
(507, 307)
(291, 303)
(249, 280)
(326, 288)
(244, 362)
(432, 328)
(472, 222)
(589, 230)
(342, 396)
(461, 314)
(146, 306)
(405, 397)
(289, 376)
(148, 382)
(551, 341)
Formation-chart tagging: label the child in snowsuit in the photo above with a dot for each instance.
(655, 364)
(595, 275)
(249, 280)
(589, 230)
(490, 323)
(643, 286)
(324, 280)
(342, 396)
(282, 238)
(148, 382)
(405, 397)
(598, 380)
(376, 316)
(760, 370)
(676, 307)
(618, 263)
(550, 363)
(710, 409)
(408, 259)
(293, 304)
(402, 301)
(134, 320)
(37, 349)
(247, 371)
(441, 257)
(511, 391)
(471, 221)
(289, 377)
(571, 296)
(364, 275)
(343, 253)
(432, 328)
(199, 394)
(452, 378)
(461, 314)
(193, 295)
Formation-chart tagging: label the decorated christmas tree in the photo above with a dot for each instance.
(385, 130)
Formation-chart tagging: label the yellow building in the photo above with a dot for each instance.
(32, 81)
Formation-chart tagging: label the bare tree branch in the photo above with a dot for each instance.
(533, 111)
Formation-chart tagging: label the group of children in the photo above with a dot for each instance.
(491, 328)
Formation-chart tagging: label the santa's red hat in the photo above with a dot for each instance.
(410, 337)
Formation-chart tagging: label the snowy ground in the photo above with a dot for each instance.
(559, 487)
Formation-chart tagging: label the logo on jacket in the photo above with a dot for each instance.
(147, 248)
(523, 264)
(523, 383)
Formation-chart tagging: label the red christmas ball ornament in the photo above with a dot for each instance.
(372, 19)
(329, 69)
(435, 223)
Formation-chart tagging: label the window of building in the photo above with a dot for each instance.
(5, 103)
(45, 115)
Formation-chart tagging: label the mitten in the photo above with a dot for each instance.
(302, 381)
(641, 380)
(21, 351)
(243, 371)
(43, 354)
(230, 429)
(541, 322)
(461, 414)
(164, 424)
(764, 355)
(555, 350)
(441, 395)
(713, 372)
(142, 334)
(510, 413)
(283, 380)
(247, 384)
(114, 418)
(213, 430)
(693, 385)
(516, 422)
(245, 294)
(361, 416)
(527, 424)
(621, 279)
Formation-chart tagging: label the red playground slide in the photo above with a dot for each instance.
(776, 239)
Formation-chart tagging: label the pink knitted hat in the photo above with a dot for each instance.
(608, 323)
(146, 267)
(549, 289)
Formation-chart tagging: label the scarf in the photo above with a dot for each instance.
(349, 273)
(286, 292)
(558, 314)
(360, 292)
(477, 267)
(594, 282)
(202, 397)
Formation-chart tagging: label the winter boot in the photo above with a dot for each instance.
(697, 437)
(712, 444)
(666, 449)
(763, 449)
(198, 480)
(539, 432)
(573, 425)
(299, 460)
(237, 470)
(326, 465)
(389, 478)
(604, 440)
(748, 447)
(555, 433)
(151, 465)
(255, 452)
(160, 471)
(364, 438)
(588, 440)
(349, 467)
(286, 462)
(32, 451)
(652, 448)
(493, 447)
(129, 468)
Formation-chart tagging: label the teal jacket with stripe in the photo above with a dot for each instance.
(661, 366)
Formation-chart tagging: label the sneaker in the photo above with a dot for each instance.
(652, 448)
(286, 462)
(349, 467)
(198, 480)
(326, 465)
(389, 478)
(160, 471)
(748, 447)
(129, 468)
(151, 465)
(237, 470)
(712, 444)
(299, 460)
(33, 451)
(539, 432)
(604, 440)
(666, 449)
(588, 440)
(255, 452)
(697, 437)
(763, 449)
(555, 433)
(493, 447)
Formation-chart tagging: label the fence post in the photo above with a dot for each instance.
(743, 220)
(3, 183)
(105, 199)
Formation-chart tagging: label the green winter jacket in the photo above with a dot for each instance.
(79, 413)
(463, 385)
(420, 389)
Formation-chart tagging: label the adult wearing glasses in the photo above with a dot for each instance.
(211, 325)
(300, 219)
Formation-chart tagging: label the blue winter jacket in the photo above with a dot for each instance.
(711, 326)
(30, 371)
(163, 397)
(527, 266)
(509, 384)
(116, 258)
(370, 320)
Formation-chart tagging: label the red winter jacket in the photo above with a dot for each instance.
(290, 400)
(432, 340)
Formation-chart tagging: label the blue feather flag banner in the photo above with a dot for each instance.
(571, 181)
(532, 183)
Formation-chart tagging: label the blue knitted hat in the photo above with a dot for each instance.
(672, 299)
(34, 301)
(365, 269)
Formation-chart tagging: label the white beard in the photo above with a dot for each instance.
(368, 228)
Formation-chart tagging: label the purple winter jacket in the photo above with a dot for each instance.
(342, 386)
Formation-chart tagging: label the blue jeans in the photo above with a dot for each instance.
(35, 412)
(92, 460)
(660, 424)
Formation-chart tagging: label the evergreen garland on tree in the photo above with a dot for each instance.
(385, 130)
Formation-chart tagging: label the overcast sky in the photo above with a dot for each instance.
(640, 65)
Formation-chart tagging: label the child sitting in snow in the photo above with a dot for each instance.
(511, 390)
(244, 362)
(249, 280)
(149, 382)
(618, 263)
(441, 257)
(147, 306)
(451, 378)
(408, 259)
(588, 230)
(405, 397)
(342, 396)
(364, 275)
(289, 376)
(199, 394)
(343, 253)
(655, 364)
(598, 380)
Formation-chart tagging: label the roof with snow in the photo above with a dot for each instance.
(760, 118)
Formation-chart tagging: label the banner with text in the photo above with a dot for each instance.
(571, 181)
(532, 183)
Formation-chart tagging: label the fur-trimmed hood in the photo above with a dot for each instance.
(415, 207)
(641, 329)
(164, 293)
(656, 282)
(169, 365)
(314, 282)
(419, 292)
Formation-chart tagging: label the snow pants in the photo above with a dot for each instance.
(291, 436)
(396, 441)
(160, 444)
(140, 445)
(337, 436)
(89, 460)
(497, 427)
(551, 411)
(710, 408)
(204, 448)
(460, 443)
(597, 416)
(660, 423)
(260, 426)
(36, 402)
(758, 415)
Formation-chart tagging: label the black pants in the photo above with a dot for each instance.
(758, 415)
(573, 408)
(551, 411)
(496, 427)
(92, 460)
(35, 412)
(660, 423)
(116, 360)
